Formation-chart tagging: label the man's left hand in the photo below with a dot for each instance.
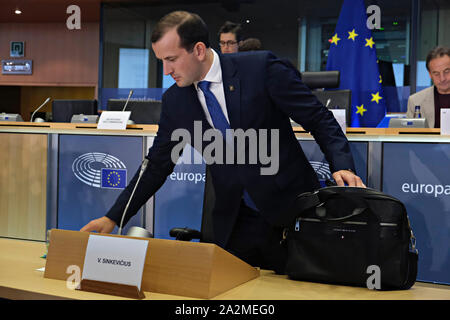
(343, 177)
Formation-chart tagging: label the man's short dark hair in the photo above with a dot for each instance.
(190, 28)
(250, 44)
(437, 52)
(231, 27)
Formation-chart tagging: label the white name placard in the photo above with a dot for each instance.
(113, 120)
(114, 259)
(445, 121)
(339, 115)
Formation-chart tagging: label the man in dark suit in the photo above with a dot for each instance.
(248, 91)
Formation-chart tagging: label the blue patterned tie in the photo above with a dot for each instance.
(220, 123)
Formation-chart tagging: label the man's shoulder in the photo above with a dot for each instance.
(422, 94)
(249, 58)
(254, 63)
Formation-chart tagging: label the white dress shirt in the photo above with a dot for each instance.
(214, 76)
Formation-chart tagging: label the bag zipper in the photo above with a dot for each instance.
(297, 223)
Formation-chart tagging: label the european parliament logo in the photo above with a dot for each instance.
(322, 170)
(100, 170)
(114, 178)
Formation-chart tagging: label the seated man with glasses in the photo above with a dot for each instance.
(230, 35)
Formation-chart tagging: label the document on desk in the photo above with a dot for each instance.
(115, 260)
(339, 115)
(445, 121)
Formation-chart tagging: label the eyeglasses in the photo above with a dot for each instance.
(228, 43)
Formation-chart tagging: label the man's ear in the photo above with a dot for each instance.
(200, 51)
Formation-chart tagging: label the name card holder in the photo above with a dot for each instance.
(115, 289)
(114, 120)
(181, 268)
(114, 265)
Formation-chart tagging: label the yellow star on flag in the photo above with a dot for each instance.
(361, 110)
(335, 39)
(376, 97)
(381, 80)
(369, 43)
(352, 34)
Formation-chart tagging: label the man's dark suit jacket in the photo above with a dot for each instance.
(261, 92)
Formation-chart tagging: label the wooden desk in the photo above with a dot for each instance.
(73, 128)
(19, 280)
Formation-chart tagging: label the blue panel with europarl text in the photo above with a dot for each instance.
(417, 174)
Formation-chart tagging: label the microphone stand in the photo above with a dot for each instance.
(128, 99)
(47, 100)
(143, 168)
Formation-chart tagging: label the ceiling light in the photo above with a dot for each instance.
(18, 11)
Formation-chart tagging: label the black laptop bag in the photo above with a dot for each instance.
(351, 236)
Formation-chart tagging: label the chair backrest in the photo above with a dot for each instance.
(63, 110)
(321, 79)
(142, 111)
(332, 99)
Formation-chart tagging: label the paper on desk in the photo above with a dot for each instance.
(339, 115)
(445, 121)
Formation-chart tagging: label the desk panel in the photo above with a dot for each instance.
(85, 190)
(418, 174)
(23, 177)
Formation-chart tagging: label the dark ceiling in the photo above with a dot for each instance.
(55, 10)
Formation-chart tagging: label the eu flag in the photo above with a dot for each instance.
(352, 52)
(114, 178)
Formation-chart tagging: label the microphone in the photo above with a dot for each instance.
(32, 115)
(143, 168)
(128, 99)
(126, 103)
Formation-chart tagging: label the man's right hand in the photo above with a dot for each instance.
(101, 225)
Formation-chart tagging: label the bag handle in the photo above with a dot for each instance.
(308, 200)
(368, 193)
(361, 205)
